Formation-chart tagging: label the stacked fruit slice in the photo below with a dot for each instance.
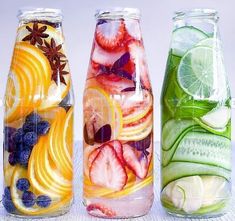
(28, 82)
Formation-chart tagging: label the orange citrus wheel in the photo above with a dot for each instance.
(28, 82)
(55, 141)
(57, 204)
(49, 177)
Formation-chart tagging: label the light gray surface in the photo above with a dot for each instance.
(78, 212)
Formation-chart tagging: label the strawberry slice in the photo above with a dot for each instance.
(110, 34)
(136, 160)
(137, 53)
(107, 171)
(100, 210)
(117, 146)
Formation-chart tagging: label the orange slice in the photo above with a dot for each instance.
(30, 71)
(56, 205)
(55, 141)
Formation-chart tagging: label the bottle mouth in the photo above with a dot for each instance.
(197, 14)
(118, 13)
(48, 14)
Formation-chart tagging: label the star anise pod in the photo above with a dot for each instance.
(36, 34)
(52, 51)
(58, 72)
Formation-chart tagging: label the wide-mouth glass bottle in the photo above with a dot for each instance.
(118, 119)
(196, 119)
(38, 120)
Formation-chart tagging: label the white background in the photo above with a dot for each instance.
(79, 24)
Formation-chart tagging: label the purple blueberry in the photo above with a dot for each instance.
(28, 199)
(30, 138)
(7, 192)
(29, 126)
(13, 158)
(9, 144)
(43, 127)
(33, 118)
(22, 184)
(23, 157)
(43, 201)
(18, 136)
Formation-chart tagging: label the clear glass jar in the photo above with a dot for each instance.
(118, 120)
(196, 120)
(38, 121)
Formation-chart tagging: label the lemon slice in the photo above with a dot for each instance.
(20, 172)
(99, 110)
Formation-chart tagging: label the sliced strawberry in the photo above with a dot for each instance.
(107, 170)
(100, 56)
(95, 208)
(113, 83)
(92, 156)
(137, 53)
(136, 160)
(117, 146)
(133, 30)
(109, 35)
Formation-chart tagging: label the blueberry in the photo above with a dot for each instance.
(43, 127)
(43, 201)
(9, 144)
(7, 193)
(13, 158)
(23, 157)
(30, 138)
(28, 199)
(22, 184)
(33, 117)
(29, 126)
(18, 136)
(8, 204)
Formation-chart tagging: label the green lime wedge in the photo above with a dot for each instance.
(185, 38)
(196, 72)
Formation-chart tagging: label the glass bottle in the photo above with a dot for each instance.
(118, 119)
(196, 120)
(38, 121)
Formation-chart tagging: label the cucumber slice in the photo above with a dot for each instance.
(176, 170)
(191, 190)
(204, 148)
(210, 42)
(185, 38)
(172, 130)
(217, 118)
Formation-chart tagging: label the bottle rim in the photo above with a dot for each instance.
(118, 13)
(49, 14)
(196, 13)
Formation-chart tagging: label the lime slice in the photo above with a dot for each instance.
(196, 72)
(184, 38)
(210, 42)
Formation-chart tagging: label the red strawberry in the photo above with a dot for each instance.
(100, 56)
(110, 35)
(95, 208)
(107, 170)
(92, 156)
(136, 161)
(113, 83)
(137, 53)
(117, 146)
(133, 29)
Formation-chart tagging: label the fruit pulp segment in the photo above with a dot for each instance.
(38, 130)
(118, 123)
(196, 138)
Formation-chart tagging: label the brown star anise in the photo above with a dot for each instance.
(36, 34)
(52, 51)
(58, 72)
